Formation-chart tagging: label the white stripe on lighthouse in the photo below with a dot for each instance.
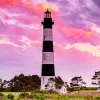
(48, 58)
(44, 81)
(47, 34)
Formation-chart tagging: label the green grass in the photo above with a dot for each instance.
(14, 93)
(88, 90)
(83, 95)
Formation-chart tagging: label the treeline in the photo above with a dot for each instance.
(21, 83)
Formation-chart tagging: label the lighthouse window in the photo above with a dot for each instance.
(44, 37)
(44, 56)
(46, 15)
(43, 80)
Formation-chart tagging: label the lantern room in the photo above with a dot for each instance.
(47, 14)
(47, 23)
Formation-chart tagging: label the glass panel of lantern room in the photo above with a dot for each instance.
(44, 15)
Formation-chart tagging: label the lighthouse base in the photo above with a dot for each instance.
(46, 84)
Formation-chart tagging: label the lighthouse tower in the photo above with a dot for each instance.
(48, 70)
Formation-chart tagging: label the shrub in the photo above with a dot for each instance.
(23, 95)
(31, 96)
(1, 95)
(10, 96)
(70, 89)
(42, 98)
(97, 98)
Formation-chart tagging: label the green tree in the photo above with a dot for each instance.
(24, 83)
(96, 80)
(77, 83)
(58, 82)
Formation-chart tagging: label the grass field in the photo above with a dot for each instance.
(83, 95)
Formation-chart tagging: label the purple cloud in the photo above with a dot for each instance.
(78, 13)
(97, 2)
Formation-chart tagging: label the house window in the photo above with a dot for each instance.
(64, 89)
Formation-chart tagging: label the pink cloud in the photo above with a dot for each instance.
(94, 50)
(9, 3)
(79, 53)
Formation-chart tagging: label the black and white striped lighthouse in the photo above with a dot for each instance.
(48, 69)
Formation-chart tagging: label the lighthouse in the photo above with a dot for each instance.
(48, 70)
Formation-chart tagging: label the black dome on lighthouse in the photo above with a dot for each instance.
(47, 11)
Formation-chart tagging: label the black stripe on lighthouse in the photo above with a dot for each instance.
(48, 70)
(47, 46)
(47, 23)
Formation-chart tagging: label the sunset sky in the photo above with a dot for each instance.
(76, 35)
